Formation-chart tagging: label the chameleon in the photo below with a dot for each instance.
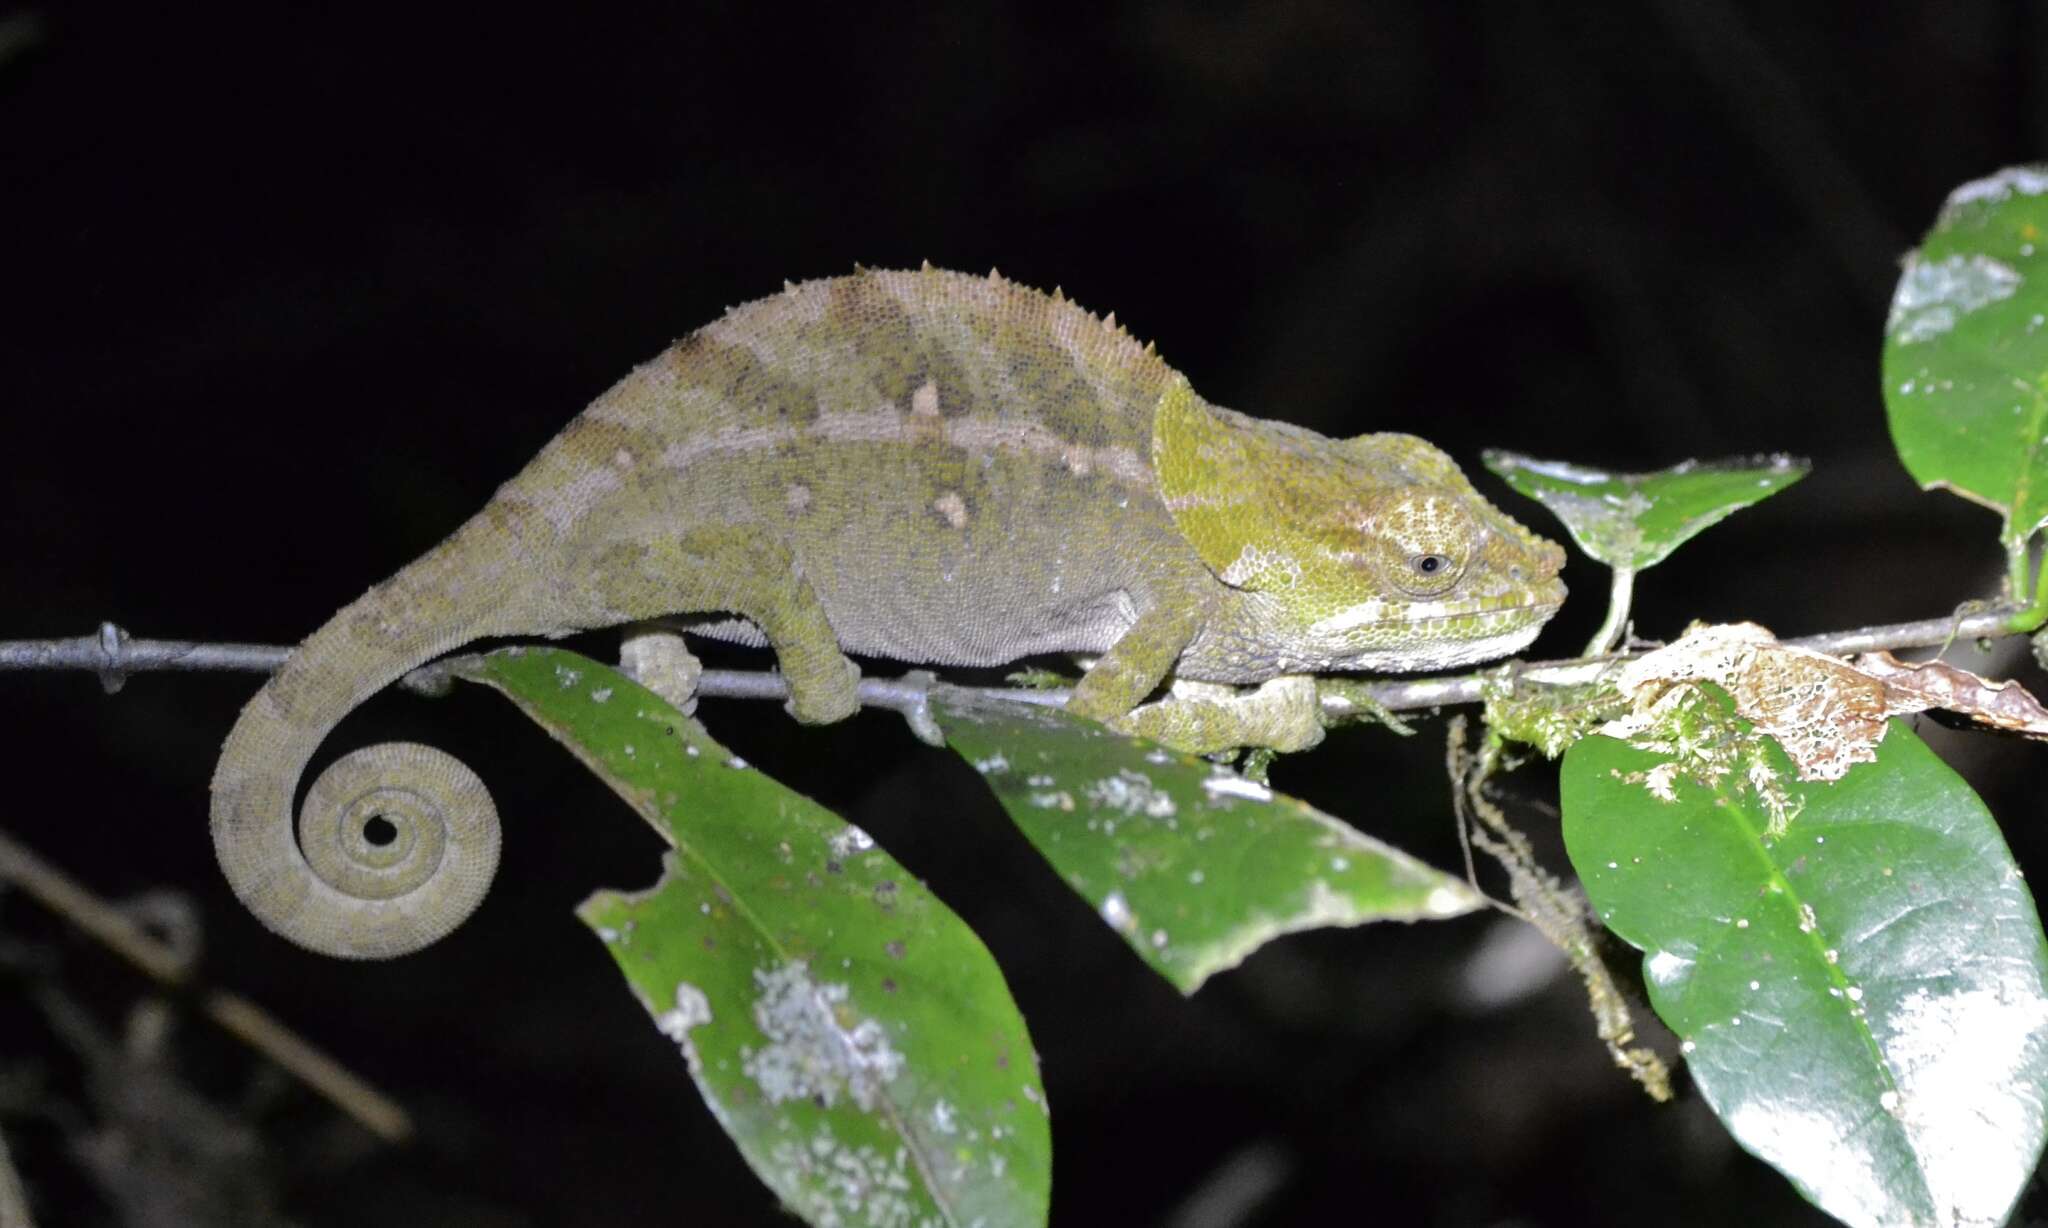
(922, 465)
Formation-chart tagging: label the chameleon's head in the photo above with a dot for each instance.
(1370, 553)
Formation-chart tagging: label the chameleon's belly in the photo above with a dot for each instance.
(957, 558)
(982, 562)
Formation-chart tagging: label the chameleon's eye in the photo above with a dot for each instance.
(1423, 540)
(1429, 574)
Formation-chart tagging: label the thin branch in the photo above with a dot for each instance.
(114, 655)
(241, 1018)
(1989, 623)
(1559, 912)
(1408, 695)
(13, 1199)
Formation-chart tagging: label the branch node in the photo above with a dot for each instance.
(113, 652)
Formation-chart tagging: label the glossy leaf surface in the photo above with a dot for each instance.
(1861, 1000)
(1966, 351)
(1195, 866)
(1635, 520)
(849, 1032)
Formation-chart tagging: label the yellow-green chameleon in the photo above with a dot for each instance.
(922, 465)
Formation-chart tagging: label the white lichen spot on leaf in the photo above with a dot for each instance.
(819, 1047)
(1934, 294)
(1133, 793)
(1997, 188)
(849, 841)
(838, 1186)
(692, 1010)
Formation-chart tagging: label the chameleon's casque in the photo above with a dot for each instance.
(921, 465)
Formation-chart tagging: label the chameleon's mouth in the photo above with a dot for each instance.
(1487, 616)
(1502, 633)
(1375, 637)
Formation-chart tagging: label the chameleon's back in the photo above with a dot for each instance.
(958, 465)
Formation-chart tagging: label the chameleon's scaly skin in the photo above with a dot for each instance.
(920, 465)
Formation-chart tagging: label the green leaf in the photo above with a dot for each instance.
(1862, 1000)
(1635, 520)
(1195, 866)
(1966, 351)
(847, 1030)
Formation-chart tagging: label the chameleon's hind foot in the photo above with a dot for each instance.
(659, 660)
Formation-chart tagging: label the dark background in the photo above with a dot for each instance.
(284, 296)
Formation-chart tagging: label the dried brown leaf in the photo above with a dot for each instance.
(1917, 686)
(1825, 713)
(1828, 713)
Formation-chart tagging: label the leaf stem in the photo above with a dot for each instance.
(1619, 597)
(2029, 619)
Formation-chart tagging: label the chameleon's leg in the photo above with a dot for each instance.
(750, 572)
(1201, 718)
(1283, 714)
(1138, 662)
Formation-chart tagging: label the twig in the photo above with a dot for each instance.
(20, 33)
(13, 1199)
(242, 1018)
(1408, 695)
(1558, 912)
(112, 654)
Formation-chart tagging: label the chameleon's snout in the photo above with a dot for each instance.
(1541, 573)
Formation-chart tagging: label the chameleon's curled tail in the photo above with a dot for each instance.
(396, 843)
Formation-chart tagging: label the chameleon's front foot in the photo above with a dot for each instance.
(1201, 718)
(823, 687)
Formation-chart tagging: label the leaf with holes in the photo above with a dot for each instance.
(1966, 352)
(847, 1030)
(1635, 520)
(1863, 1000)
(1193, 865)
